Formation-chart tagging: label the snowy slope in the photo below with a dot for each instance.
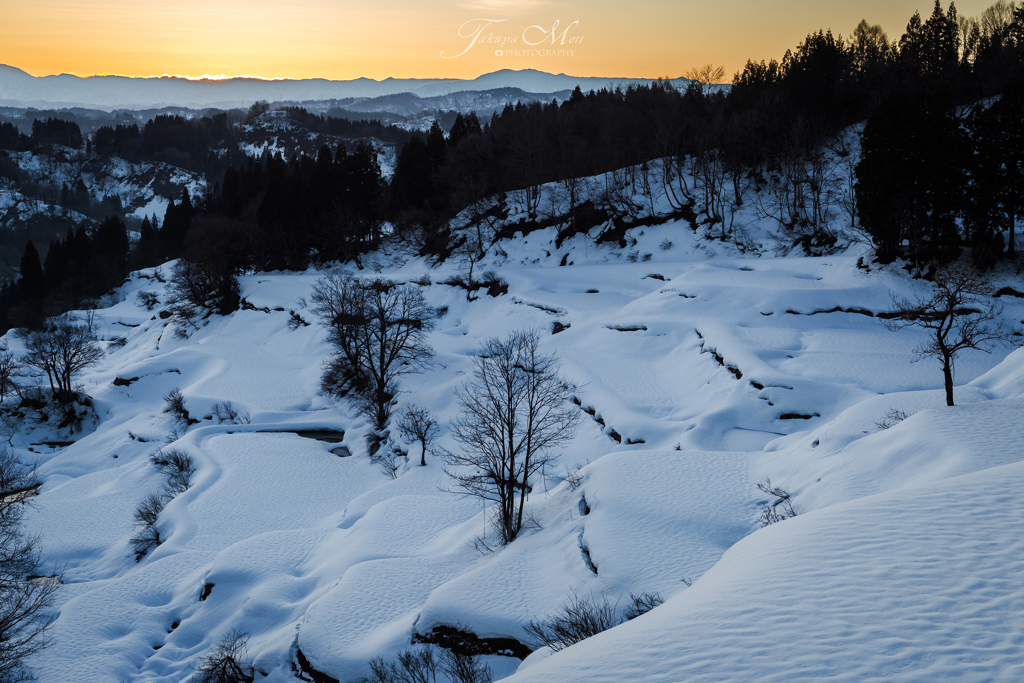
(713, 371)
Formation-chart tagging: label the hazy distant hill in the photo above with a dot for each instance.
(18, 88)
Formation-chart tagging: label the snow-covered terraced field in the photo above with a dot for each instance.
(905, 562)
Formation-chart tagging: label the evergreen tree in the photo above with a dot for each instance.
(31, 283)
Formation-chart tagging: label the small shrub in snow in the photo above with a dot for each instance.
(408, 667)
(149, 300)
(227, 662)
(777, 508)
(642, 604)
(579, 618)
(665, 245)
(174, 403)
(892, 418)
(465, 668)
(388, 459)
(147, 536)
(225, 413)
(574, 477)
(295, 321)
(494, 285)
(422, 281)
(178, 467)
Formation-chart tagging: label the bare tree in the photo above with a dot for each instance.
(10, 370)
(62, 350)
(706, 75)
(227, 662)
(515, 409)
(199, 288)
(24, 603)
(957, 315)
(378, 329)
(417, 423)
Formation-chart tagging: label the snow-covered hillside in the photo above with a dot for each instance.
(699, 374)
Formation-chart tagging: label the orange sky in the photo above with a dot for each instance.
(342, 39)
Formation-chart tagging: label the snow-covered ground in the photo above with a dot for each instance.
(713, 372)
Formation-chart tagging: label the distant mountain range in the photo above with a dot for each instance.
(19, 89)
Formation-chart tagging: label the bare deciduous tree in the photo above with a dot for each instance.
(957, 315)
(24, 604)
(10, 370)
(62, 350)
(227, 662)
(709, 74)
(378, 329)
(417, 423)
(515, 409)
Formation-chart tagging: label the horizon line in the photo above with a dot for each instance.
(216, 78)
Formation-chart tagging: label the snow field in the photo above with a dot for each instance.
(899, 566)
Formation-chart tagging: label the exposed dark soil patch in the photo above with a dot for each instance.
(121, 382)
(628, 328)
(54, 444)
(559, 327)
(207, 589)
(718, 357)
(461, 642)
(1010, 291)
(325, 435)
(838, 309)
(306, 672)
(798, 416)
(585, 551)
(546, 309)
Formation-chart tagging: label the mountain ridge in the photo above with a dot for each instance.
(18, 88)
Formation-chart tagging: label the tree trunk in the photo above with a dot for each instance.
(423, 453)
(1013, 221)
(947, 373)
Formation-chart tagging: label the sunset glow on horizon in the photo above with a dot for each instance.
(342, 39)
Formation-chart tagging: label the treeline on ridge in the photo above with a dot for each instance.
(943, 190)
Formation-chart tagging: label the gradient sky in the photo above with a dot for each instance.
(343, 39)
